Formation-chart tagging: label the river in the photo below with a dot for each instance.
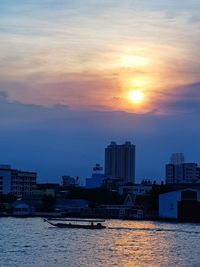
(32, 242)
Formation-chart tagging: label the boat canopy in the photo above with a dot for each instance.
(77, 220)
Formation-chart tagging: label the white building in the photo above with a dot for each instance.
(18, 183)
(181, 204)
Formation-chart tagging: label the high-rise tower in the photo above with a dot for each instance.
(120, 162)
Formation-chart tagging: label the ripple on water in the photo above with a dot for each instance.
(31, 242)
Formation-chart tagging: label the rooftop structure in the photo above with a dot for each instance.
(177, 158)
(97, 178)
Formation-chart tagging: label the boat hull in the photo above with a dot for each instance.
(77, 226)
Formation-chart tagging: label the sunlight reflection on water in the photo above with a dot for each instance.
(32, 242)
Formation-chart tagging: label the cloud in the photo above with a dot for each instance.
(3, 95)
(14, 113)
(184, 99)
(63, 87)
(56, 141)
(52, 53)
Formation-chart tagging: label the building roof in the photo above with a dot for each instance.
(181, 190)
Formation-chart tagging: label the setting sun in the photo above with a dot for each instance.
(136, 96)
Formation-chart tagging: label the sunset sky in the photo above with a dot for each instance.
(70, 73)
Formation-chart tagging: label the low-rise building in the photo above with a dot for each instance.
(181, 204)
(21, 208)
(16, 182)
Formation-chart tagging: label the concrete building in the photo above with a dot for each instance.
(16, 182)
(97, 178)
(177, 171)
(182, 204)
(120, 162)
(182, 173)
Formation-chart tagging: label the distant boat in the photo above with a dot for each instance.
(76, 223)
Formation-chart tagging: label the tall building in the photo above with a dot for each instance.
(120, 162)
(15, 182)
(177, 171)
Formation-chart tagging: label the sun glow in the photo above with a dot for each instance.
(131, 61)
(136, 96)
(139, 83)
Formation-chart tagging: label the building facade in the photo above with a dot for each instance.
(182, 173)
(16, 182)
(120, 162)
(182, 204)
(177, 171)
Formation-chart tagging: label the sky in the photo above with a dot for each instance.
(67, 73)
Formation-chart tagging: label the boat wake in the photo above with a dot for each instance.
(154, 230)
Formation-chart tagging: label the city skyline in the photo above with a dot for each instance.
(75, 76)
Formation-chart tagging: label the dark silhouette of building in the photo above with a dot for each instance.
(177, 171)
(120, 162)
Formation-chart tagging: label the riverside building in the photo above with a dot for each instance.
(16, 182)
(120, 162)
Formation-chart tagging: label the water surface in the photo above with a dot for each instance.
(32, 242)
